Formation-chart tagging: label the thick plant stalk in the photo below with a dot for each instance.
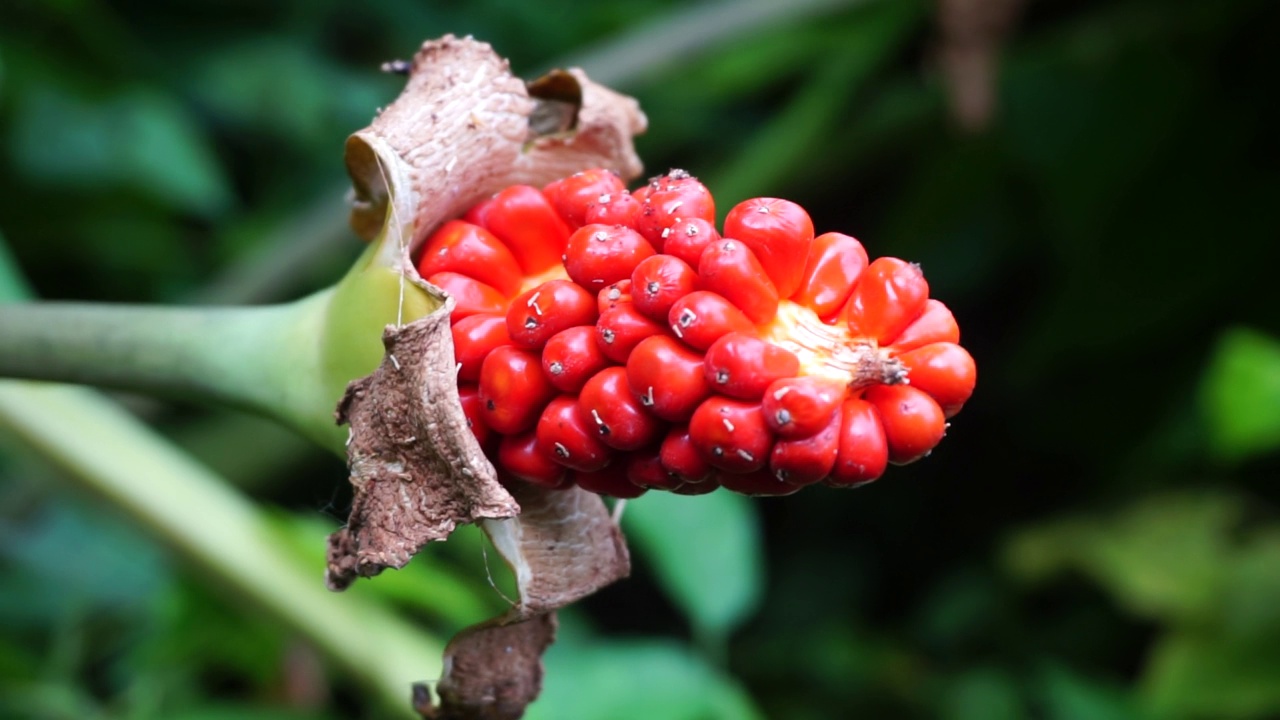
(194, 512)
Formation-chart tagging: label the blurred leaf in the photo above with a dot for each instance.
(983, 694)
(426, 584)
(636, 681)
(1068, 696)
(1240, 394)
(705, 552)
(12, 285)
(138, 139)
(1167, 558)
(245, 712)
(780, 149)
(1200, 674)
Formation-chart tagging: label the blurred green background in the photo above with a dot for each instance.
(1086, 184)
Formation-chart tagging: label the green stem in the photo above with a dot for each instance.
(290, 362)
(229, 356)
(194, 512)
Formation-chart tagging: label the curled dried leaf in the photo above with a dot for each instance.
(416, 468)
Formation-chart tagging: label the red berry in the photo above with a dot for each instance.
(935, 324)
(658, 282)
(621, 328)
(835, 263)
(699, 488)
(521, 456)
(571, 357)
(688, 238)
(667, 378)
(890, 294)
(477, 213)
(619, 292)
(743, 366)
(670, 197)
(644, 469)
(568, 438)
(757, 483)
(574, 196)
(779, 233)
(553, 306)
(799, 407)
(472, 251)
(945, 371)
(729, 268)
(513, 389)
(804, 461)
(471, 297)
(474, 337)
(864, 451)
(681, 458)
(619, 208)
(598, 255)
(701, 317)
(617, 417)
(471, 402)
(610, 481)
(523, 219)
(731, 435)
(913, 422)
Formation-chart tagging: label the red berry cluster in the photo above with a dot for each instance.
(615, 340)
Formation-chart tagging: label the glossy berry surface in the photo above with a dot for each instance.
(621, 342)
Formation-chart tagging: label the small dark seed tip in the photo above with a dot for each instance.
(607, 336)
(722, 376)
(783, 416)
(531, 322)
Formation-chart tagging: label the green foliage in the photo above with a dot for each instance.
(1097, 538)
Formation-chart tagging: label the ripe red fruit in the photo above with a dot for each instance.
(621, 328)
(913, 422)
(521, 456)
(472, 251)
(687, 238)
(807, 460)
(935, 324)
(620, 335)
(597, 255)
(611, 481)
(658, 282)
(743, 366)
(574, 196)
(472, 297)
(757, 483)
(553, 306)
(864, 451)
(616, 416)
(835, 262)
(644, 469)
(474, 337)
(470, 397)
(890, 294)
(568, 437)
(681, 458)
(667, 378)
(700, 318)
(513, 389)
(779, 233)
(522, 218)
(619, 208)
(619, 292)
(945, 371)
(729, 268)
(571, 357)
(671, 197)
(731, 435)
(798, 407)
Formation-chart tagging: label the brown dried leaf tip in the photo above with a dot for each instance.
(416, 468)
